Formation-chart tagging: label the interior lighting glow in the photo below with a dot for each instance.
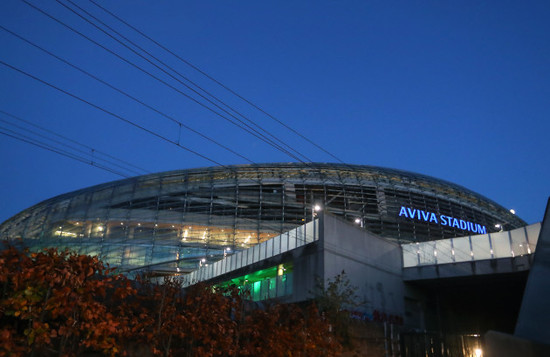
(357, 220)
(478, 352)
(65, 234)
(280, 270)
(317, 208)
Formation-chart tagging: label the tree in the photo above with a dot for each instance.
(335, 299)
(53, 303)
(64, 304)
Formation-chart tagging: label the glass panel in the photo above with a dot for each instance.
(444, 251)
(410, 257)
(519, 242)
(426, 254)
(116, 233)
(481, 247)
(284, 242)
(501, 245)
(461, 249)
(99, 205)
(291, 240)
(277, 245)
(262, 250)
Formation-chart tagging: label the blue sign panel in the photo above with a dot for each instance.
(442, 220)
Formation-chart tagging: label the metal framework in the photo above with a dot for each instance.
(176, 221)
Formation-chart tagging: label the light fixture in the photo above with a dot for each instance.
(513, 211)
(357, 220)
(317, 208)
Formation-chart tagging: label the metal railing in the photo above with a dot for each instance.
(282, 243)
(517, 242)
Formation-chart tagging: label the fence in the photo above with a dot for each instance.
(512, 243)
(282, 243)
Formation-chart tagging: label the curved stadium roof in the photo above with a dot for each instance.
(171, 221)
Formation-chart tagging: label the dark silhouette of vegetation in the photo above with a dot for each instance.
(336, 298)
(61, 304)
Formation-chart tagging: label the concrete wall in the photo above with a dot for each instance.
(371, 263)
(534, 314)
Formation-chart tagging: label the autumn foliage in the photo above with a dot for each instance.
(61, 304)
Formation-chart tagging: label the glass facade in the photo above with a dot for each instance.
(174, 222)
(270, 283)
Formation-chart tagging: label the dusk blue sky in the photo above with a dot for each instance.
(458, 90)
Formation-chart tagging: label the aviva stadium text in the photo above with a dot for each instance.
(441, 220)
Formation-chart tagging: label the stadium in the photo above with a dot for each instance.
(174, 222)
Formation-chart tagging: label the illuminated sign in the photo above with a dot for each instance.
(442, 220)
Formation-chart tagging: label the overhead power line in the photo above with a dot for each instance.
(60, 152)
(21, 137)
(176, 72)
(215, 80)
(252, 132)
(151, 132)
(65, 144)
(125, 94)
